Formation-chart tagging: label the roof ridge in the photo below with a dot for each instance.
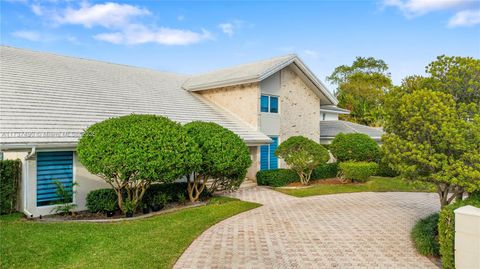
(91, 60)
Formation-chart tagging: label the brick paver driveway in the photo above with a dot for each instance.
(357, 230)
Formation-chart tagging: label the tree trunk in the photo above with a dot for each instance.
(195, 186)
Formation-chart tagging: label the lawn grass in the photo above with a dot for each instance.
(375, 184)
(155, 242)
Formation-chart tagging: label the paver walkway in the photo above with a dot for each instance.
(357, 230)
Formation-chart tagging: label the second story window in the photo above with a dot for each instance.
(269, 103)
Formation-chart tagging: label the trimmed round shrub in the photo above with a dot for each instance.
(302, 155)
(354, 147)
(276, 177)
(133, 151)
(425, 236)
(102, 200)
(224, 158)
(446, 229)
(326, 170)
(357, 171)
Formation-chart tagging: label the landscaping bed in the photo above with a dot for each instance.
(374, 184)
(155, 242)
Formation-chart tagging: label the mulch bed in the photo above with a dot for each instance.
(86, 216)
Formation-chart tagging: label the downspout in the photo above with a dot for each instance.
(25, 183)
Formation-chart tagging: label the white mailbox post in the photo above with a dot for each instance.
(467, 237)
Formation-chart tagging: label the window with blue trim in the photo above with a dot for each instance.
(268, 160)
(51, 167)
(269, 103)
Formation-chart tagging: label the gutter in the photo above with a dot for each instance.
(25, 183)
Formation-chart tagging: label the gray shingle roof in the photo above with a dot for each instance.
(329, 129)
(47, 98)
(239, 74)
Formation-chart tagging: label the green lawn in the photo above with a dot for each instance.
(155, 242)
(375, 184)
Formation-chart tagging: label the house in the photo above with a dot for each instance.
(48, 100)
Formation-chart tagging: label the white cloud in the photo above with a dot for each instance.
(227, 28)
(140, 34)
(28, 35)
(180, 18)
(465, 18)
(109, 15)
(37, 9)
(421, 7)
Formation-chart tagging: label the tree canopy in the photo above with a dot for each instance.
(131, 152)
(361, 88)
(302, 155)
(354, 147)
(225, 157)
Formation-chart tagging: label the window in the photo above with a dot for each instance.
(53, 166)
(268, 160)
(269, 104)
(264, 104)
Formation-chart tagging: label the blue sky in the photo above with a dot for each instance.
(192, 37)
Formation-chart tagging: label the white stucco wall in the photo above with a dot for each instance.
(467, 237)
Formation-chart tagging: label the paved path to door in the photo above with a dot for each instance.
(357, 230)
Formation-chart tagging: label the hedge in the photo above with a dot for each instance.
(282, 177)
(327, 170)
(358, 171)
(425, 236)
(354, 147)
(102, 200)
(99, 200)
(10, 173)
(276, 177)
(446, 230)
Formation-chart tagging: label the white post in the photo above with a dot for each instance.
(467, 237)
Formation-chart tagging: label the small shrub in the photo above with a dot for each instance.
(354, 147)
(65, 206)
(357, 171)
(276, 177)
(10, 173)
(102, 200)
(446, 230)
(425, 236)
(302, 155)
(327, 170)
(175, 191)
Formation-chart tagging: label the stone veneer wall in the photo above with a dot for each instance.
(240, 100)
(299, 108)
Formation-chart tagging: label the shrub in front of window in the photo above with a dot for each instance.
(225, 158)
(357, 171)
(354, 147)
(132, 152)
(302, 155)
(276, 177)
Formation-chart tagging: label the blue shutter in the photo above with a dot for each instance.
(52, 166)
(263, 157)
(264, 103)
(273, 158)
(273, 104)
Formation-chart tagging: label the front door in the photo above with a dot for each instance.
(268, 160)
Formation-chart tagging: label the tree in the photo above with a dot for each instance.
(131, 152)
(428, 140)
(361, 88)
(302, 155)
(225, 158)
(354, 147)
